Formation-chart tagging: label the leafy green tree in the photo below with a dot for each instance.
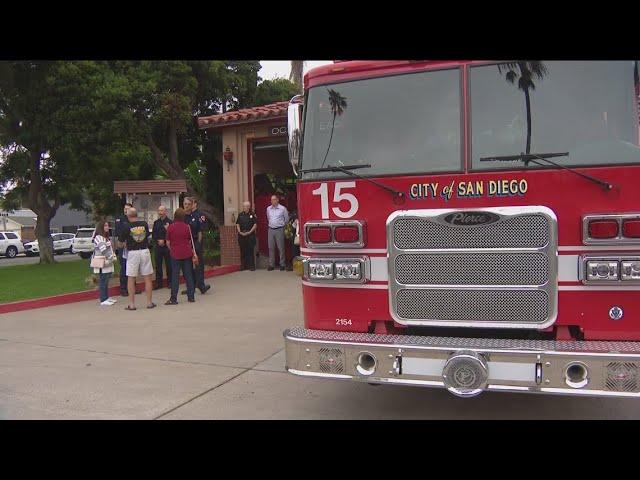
(165, 97)
(276, 90)
(40, 169)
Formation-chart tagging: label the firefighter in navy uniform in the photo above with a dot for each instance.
(196, 221)
(121, 225)
(160, 249)
(247, 223)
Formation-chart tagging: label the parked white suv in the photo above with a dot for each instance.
(10, 244)
(62, 242)
(83, 243)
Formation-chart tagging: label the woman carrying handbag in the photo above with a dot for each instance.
(183, 256)
(102, 261)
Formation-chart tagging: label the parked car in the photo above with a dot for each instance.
(82, 243)
(10, 244)
(62, 242)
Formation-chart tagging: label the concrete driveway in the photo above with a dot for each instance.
(219, 358)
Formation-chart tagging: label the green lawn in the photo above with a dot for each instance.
(20, 282)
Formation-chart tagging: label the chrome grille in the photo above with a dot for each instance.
(331, 360)
(529, 231)
(522, 306)
(488, 269)
(502, 274)
(622, 377)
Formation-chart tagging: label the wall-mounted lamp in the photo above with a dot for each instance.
(228, 157)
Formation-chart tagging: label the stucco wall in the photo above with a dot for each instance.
(236, 178)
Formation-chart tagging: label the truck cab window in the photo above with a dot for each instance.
(398, 124)
(589, 109)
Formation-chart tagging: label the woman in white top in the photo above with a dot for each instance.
(103, 255)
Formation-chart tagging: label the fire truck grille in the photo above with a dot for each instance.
(527, 231)
(331, 360)
(529, 306)
(488, 269)
(502, 274)
(622, 377)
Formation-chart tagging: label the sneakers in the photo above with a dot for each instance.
(106, 303)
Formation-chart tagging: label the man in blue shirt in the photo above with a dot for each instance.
(277, 216)
(196, 221)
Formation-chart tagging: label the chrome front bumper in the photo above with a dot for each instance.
(596, 368)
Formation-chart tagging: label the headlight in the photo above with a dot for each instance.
(602, 270)
(338, 270)
(320, 270)
(630, 270)
(351, 270)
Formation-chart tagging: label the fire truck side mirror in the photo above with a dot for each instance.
(294, 130)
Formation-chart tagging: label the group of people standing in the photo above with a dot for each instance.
(177, 245)
(278, 220)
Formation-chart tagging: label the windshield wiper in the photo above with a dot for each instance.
(529, 157)
(347, 169)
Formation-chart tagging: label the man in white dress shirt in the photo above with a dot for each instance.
(277, 216)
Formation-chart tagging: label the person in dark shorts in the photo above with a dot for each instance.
(247, 223)
(180, 247)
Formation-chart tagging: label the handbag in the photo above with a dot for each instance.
(296, 239)
(98, 261)
(194, 258)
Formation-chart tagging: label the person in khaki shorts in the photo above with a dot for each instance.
(136, 236)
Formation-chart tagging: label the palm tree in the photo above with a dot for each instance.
(338, 104)
(524, 72)
(297, 67)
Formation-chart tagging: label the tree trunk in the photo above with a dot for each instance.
(37, 201)
(297, 68)
(527, 101)
(212, 213)
(45, 242)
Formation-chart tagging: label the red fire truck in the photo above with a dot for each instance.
(471, 225)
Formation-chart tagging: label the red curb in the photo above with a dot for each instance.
(91, 294)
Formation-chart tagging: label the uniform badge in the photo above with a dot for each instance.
(202, 218)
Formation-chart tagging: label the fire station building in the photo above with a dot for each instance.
(255, 166)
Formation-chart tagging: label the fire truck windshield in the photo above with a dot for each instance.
(588, 108)
(412, 123)
(397, 124)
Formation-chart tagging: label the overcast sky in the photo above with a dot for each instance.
(281, 68)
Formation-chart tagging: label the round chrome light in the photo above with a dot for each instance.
(465, 374)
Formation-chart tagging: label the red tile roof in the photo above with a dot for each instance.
(150, 186)
(246, 115)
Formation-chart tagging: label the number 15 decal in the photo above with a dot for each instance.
(323, 191)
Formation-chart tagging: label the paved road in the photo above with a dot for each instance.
(24, 260)
(219, 358)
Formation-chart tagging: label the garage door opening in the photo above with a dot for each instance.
(272, 174)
